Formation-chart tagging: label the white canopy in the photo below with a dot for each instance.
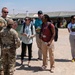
(35, 15)
(8, 16)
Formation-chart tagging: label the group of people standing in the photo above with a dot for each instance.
(44, 31)
(9, 41)
(41, 28)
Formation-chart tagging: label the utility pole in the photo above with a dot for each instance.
(13, 13)
(27, 13)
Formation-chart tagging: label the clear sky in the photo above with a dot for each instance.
(21, 6)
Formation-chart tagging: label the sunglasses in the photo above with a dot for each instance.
(5, 12)
(26, 19)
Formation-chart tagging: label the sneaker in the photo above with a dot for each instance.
(73, 60)
(52, 70)
(29, 64)
(43, 68)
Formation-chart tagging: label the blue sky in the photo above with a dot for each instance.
(21, 6)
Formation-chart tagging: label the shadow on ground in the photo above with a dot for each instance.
(31, 68)
(62, 60)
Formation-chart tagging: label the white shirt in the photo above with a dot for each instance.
(28, 31)
(69, 27)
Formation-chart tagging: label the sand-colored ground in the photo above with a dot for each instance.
(63, 64)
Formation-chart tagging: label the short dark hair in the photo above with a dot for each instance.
(72, 16)
(40, 12)
(28, 18)
(47, 17)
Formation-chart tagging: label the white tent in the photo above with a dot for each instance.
(8, 16)
(35, 15)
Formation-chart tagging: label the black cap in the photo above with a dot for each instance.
(40, 12)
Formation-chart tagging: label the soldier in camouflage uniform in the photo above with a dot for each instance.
(3, 23)
(1, 26)
(9, 43)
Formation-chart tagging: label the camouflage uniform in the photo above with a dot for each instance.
(3, 23)
(9, 42)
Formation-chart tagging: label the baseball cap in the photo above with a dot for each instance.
(40, 12)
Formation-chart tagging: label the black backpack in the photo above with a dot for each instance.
(31, 28)
(56, 32)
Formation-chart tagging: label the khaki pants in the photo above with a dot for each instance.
(72, 44)
(50, 49)
(38, 41)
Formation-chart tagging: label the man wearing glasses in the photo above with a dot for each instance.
(3, 23)
(4, 15)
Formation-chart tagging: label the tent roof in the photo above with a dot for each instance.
(51, 14)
